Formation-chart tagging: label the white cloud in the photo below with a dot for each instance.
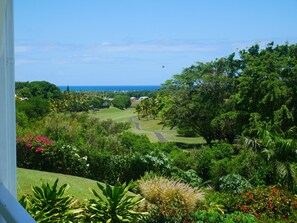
(154, 46)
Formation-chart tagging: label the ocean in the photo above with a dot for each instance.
(111, 88)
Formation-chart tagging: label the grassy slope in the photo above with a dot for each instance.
(148, 127)
(79, 187)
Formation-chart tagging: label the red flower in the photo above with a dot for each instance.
(284, 216)
(38, 149)
(257, 215)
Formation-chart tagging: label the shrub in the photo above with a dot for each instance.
(135, 143)
(182, 159)
(41, 153)
(113, 204)
(208, 216)
(190, 177)
(219, 169)
(49, 204)
(31, 150)
(126, 167)
(240, 217)
(170, 197)
(234, 183)
(246, 163)
(215, 217)
(270, 202)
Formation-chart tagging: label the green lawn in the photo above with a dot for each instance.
(148, 127)
(79, 187)
(115, 114)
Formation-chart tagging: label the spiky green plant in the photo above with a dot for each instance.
(113, 204)
(49, 204)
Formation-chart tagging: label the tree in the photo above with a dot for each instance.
(41, 89)
(121, 101)
(34, 108)
(195, 97)
(267, 86)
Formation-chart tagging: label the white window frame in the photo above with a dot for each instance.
(10, 210)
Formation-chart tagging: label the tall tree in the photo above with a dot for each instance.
(198, 95)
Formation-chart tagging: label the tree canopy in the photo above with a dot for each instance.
(235, 95)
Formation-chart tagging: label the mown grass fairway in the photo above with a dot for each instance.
(115, 114)
(79, 187)
(147, 127)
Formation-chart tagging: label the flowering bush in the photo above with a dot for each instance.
(41, 153)
(31, 150)
(270, 202)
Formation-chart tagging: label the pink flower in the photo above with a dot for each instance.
(38, 149)
(44, 140)
(28, 146)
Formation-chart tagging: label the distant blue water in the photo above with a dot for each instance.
(110, 88)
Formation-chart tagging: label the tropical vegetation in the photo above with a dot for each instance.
(243, 105)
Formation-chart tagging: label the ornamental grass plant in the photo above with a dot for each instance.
(170, 196)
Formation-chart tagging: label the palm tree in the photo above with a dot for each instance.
(280, 152)
(138, 109)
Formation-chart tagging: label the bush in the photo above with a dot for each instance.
(190, 177)
(135, 143)
(215, 217)
(32, 150)
(246, 163)
(234, 183)
(34, 108)
(126, 167)
(41, 153)
(206, 157)
(208, 216)
(270, 202)
(182, 159)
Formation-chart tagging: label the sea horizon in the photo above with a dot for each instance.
(111, 88)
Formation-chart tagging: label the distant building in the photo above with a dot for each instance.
(142, 98)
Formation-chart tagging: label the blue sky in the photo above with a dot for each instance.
(127, 42)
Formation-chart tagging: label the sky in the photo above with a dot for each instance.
(139, 42)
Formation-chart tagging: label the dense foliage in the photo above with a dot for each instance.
(232, 96)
